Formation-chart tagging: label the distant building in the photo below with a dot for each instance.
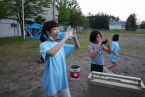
(116, 25)
(50, 13)
(9, 28)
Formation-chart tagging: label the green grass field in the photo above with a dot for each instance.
(16, 46)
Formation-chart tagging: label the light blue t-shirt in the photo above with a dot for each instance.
(55, 75)
(115, 48)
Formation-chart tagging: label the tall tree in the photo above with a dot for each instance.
(13, 9)
(100, 20)
(92, 21)
(63, 8)
(70, 13)
(76, 17)
(4, 4)
(40, 19)
(131, 22)
(142, 25)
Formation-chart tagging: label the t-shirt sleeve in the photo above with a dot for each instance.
(103, 46)
(91, 47)
(43, 49)
(68, 49)
(115, 47)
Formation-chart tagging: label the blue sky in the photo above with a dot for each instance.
(120, 8)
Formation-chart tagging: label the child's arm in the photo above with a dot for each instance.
(54, 50)
(74, 37)
(107, 47)
(93, 52)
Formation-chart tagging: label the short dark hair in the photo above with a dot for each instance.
(48, 26)
(115, 37)
(93, 35)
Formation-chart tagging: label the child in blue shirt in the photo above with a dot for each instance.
(43, 37)
(114, 56)
(54, 53)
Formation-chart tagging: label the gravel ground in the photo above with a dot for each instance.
(22, 77)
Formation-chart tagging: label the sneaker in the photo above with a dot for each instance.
(40, 61)
(108, 71)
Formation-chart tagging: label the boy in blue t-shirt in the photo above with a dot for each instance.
(54, 53)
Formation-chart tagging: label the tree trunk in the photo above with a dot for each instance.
(20, 20)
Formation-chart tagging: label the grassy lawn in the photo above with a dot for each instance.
(17, 47)
(125, 37)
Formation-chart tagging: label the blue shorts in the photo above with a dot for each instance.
(113, 58)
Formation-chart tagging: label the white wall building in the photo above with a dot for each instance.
(116, 25)
(9, 28)
(50, 13)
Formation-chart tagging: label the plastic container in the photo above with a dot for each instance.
(112, 85)
(75, 72)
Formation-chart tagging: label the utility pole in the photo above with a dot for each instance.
(53, 10)
(23, 19)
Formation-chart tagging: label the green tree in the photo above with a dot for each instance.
(63, 9)
(113, 18)
(131, 22)
(70, 13)
(100, 20)
(4, 4)
(13, 9)
(40, 19)
(142, 25)
(84, 21)
(76, 17)
(92, 21)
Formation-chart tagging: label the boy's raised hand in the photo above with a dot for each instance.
(73, 32)
(107, 42)
(66, 35)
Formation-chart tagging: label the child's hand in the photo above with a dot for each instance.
(107, 42)
(66, 35)
(73, 32)
(92, 53)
